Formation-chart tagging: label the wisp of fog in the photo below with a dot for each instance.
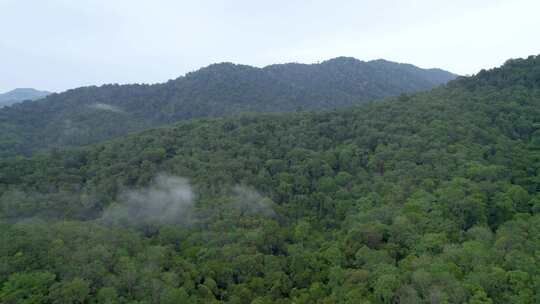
(168, 200)
(106, 107)
(250, 202)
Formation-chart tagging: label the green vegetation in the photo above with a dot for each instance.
(424, 198)
(92, 114)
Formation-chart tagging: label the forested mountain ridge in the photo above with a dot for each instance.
(91, 114)
(20, 94)
(518, 72)
(430, 197)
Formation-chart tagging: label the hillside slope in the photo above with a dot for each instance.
(426, 198)
(91, 114)
(21, 94)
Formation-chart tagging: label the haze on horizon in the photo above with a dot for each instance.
(60, 44)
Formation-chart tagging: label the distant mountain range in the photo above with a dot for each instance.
(18, 95)
(91, 114)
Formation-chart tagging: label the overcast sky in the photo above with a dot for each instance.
(60, 44)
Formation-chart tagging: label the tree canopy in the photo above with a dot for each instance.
(429, 197)
(92, 114)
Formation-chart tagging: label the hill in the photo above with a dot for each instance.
(429, 197)
(91, 114)
(21, 94)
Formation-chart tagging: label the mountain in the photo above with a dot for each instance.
(21, 94)
(432, 197)
(91, 114)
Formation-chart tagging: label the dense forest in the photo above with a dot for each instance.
(91, 114)
(430, 197)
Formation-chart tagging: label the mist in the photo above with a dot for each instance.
(168, 200)
(106, 107)
(249, 202)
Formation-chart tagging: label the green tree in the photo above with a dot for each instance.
(26, 288)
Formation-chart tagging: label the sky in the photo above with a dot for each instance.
(61, 44)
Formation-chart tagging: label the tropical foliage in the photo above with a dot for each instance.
(425, 198)
(91, 114)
